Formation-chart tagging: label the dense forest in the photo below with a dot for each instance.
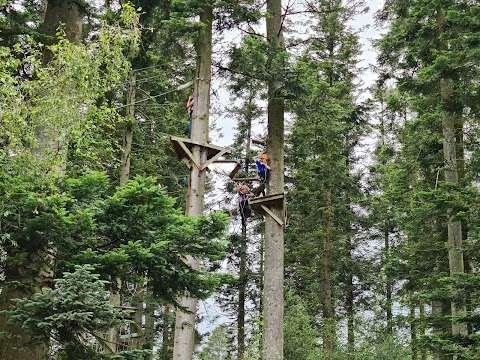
(119, 202)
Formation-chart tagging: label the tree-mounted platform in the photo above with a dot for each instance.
(264, 204)
(183, 148)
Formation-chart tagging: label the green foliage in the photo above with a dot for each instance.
(77, 305)
(126, 233)
(60, 101)
(219, 345)
(425, 45)
(301, 337)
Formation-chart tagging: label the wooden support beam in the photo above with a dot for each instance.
(183, 148)
(262, 205)
(269, 212)
(235, 170)
(213, 158)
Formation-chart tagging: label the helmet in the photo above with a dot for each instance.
(244, 187)
(264, 157)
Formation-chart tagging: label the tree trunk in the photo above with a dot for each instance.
(19, 346)
(67, 14)
(423, 351)
(185, 321)
(349, 303)
(128, 136)
(454, 226)
(388, 282)
(455, 250)
(437, 315)
(413, 331)
(242, 282)
(261, 268)
(115, 298)
(328, 308)
(274, 233)
(149, 342)
(166, 350)
(243, 249)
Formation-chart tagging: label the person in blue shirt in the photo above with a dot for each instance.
(262, 167)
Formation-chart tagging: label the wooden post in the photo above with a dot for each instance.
(274, 232)
(185, 321)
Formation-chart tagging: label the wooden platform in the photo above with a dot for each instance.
(264, 204)
(183, 148)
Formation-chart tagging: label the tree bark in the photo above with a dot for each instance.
(454, 226)
(242, 282)
(328, 308)
(350, 302)
(128, 136)
(274, 233)
(185, 321)
(243, 248)
(149, 342)
(437, 315)
(388, 282)
(413, 331)
(67, 14)
(166, 350)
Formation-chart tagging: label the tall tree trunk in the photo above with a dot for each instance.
(274, 233)
(328, 308)
(166, 350)
(149, 342)
(437, 315)
(185, 321)
(128, 136)
(261, 268)
(349, 302)
(243, 248)
(388, 282)
(64, 14)
(242, 282)
(413, 330)
(455, 250)
(115, 298)
(454, 226)
(67, 15)
(421, 330)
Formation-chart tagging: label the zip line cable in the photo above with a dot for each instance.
(178, 88)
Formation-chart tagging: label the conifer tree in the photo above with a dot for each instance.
(429, 50)
(327, 128)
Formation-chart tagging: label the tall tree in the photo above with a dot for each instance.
(427, 51)
(185, 321)
(274, 233)
(322, 156)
